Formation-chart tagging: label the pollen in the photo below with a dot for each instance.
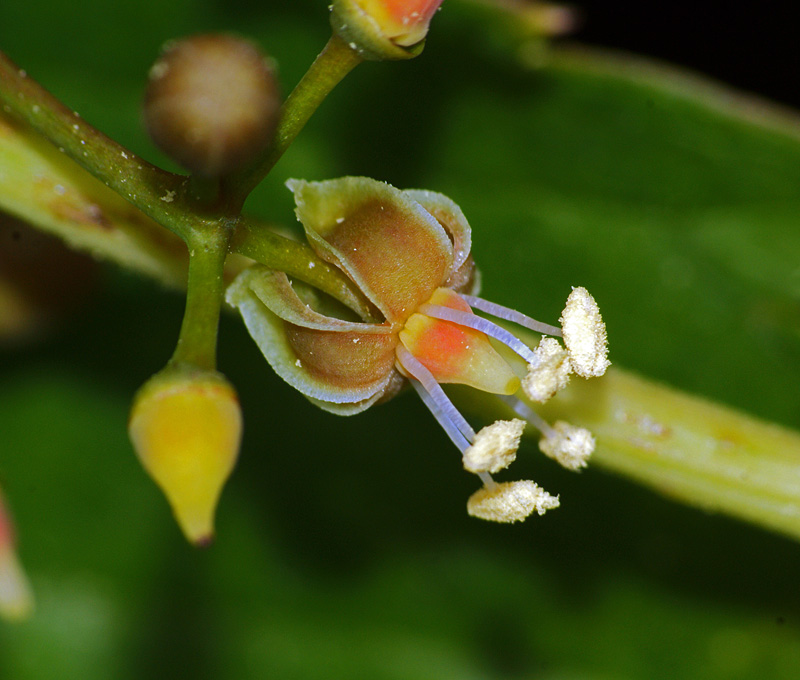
(495, 447)
(550, 373)
(584, 334)
(567, 444)
(510, 501)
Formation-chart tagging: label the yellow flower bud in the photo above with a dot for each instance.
(212, 103)
(186, 427)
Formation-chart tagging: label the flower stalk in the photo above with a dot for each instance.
(335, 61)
(159, 194)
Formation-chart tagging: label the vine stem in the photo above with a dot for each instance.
(335, 61)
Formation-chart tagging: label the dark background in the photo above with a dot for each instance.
(752, 46)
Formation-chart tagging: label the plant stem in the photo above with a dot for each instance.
(157, 193)
(298, 260)
(335, 61)
(197, 343)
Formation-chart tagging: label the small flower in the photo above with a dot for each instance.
(383, 29)
(16, 599)
(186, 427)
(409, 253)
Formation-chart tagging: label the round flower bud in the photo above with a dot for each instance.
(186, 427)
(212, 103)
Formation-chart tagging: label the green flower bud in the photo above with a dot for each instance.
(212, 103)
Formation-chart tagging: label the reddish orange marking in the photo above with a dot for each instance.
(424, 9)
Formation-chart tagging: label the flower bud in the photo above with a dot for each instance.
(383, 29)
(212, 103)
(186, 427)
(16, 600)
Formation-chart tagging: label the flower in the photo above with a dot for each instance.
(16, 599)
(409, 253)
(383, 29)
(186, 427)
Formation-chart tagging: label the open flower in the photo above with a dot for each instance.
(409, 253)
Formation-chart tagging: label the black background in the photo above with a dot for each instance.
(753, 46)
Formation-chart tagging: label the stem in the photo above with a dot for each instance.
(298, 260)
(335, 61)
(157, 193)
(197, 343)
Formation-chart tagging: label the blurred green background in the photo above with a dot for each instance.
(344, 549)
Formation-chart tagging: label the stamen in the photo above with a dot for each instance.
(478, 323)
(511, 315)
(550, 373)
(510, 501)
(495, 446)
(585, 334)
(527, 413)
(438, 402)
(569, 445)
(461, 442)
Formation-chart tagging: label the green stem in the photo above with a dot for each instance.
(159, 194)
(298, 260)
(197, 343)
(335, 61)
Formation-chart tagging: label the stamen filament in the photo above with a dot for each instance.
(461, 442)
(487, 480)
(511, 315)
(478, 323)
(438, 398)
(527, 413)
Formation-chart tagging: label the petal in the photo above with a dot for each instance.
(326, 359)
(388, 244)
(276, 292)
(457, 354)
(449, 215)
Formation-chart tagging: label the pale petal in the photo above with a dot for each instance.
(350, 364)
(450, 216)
